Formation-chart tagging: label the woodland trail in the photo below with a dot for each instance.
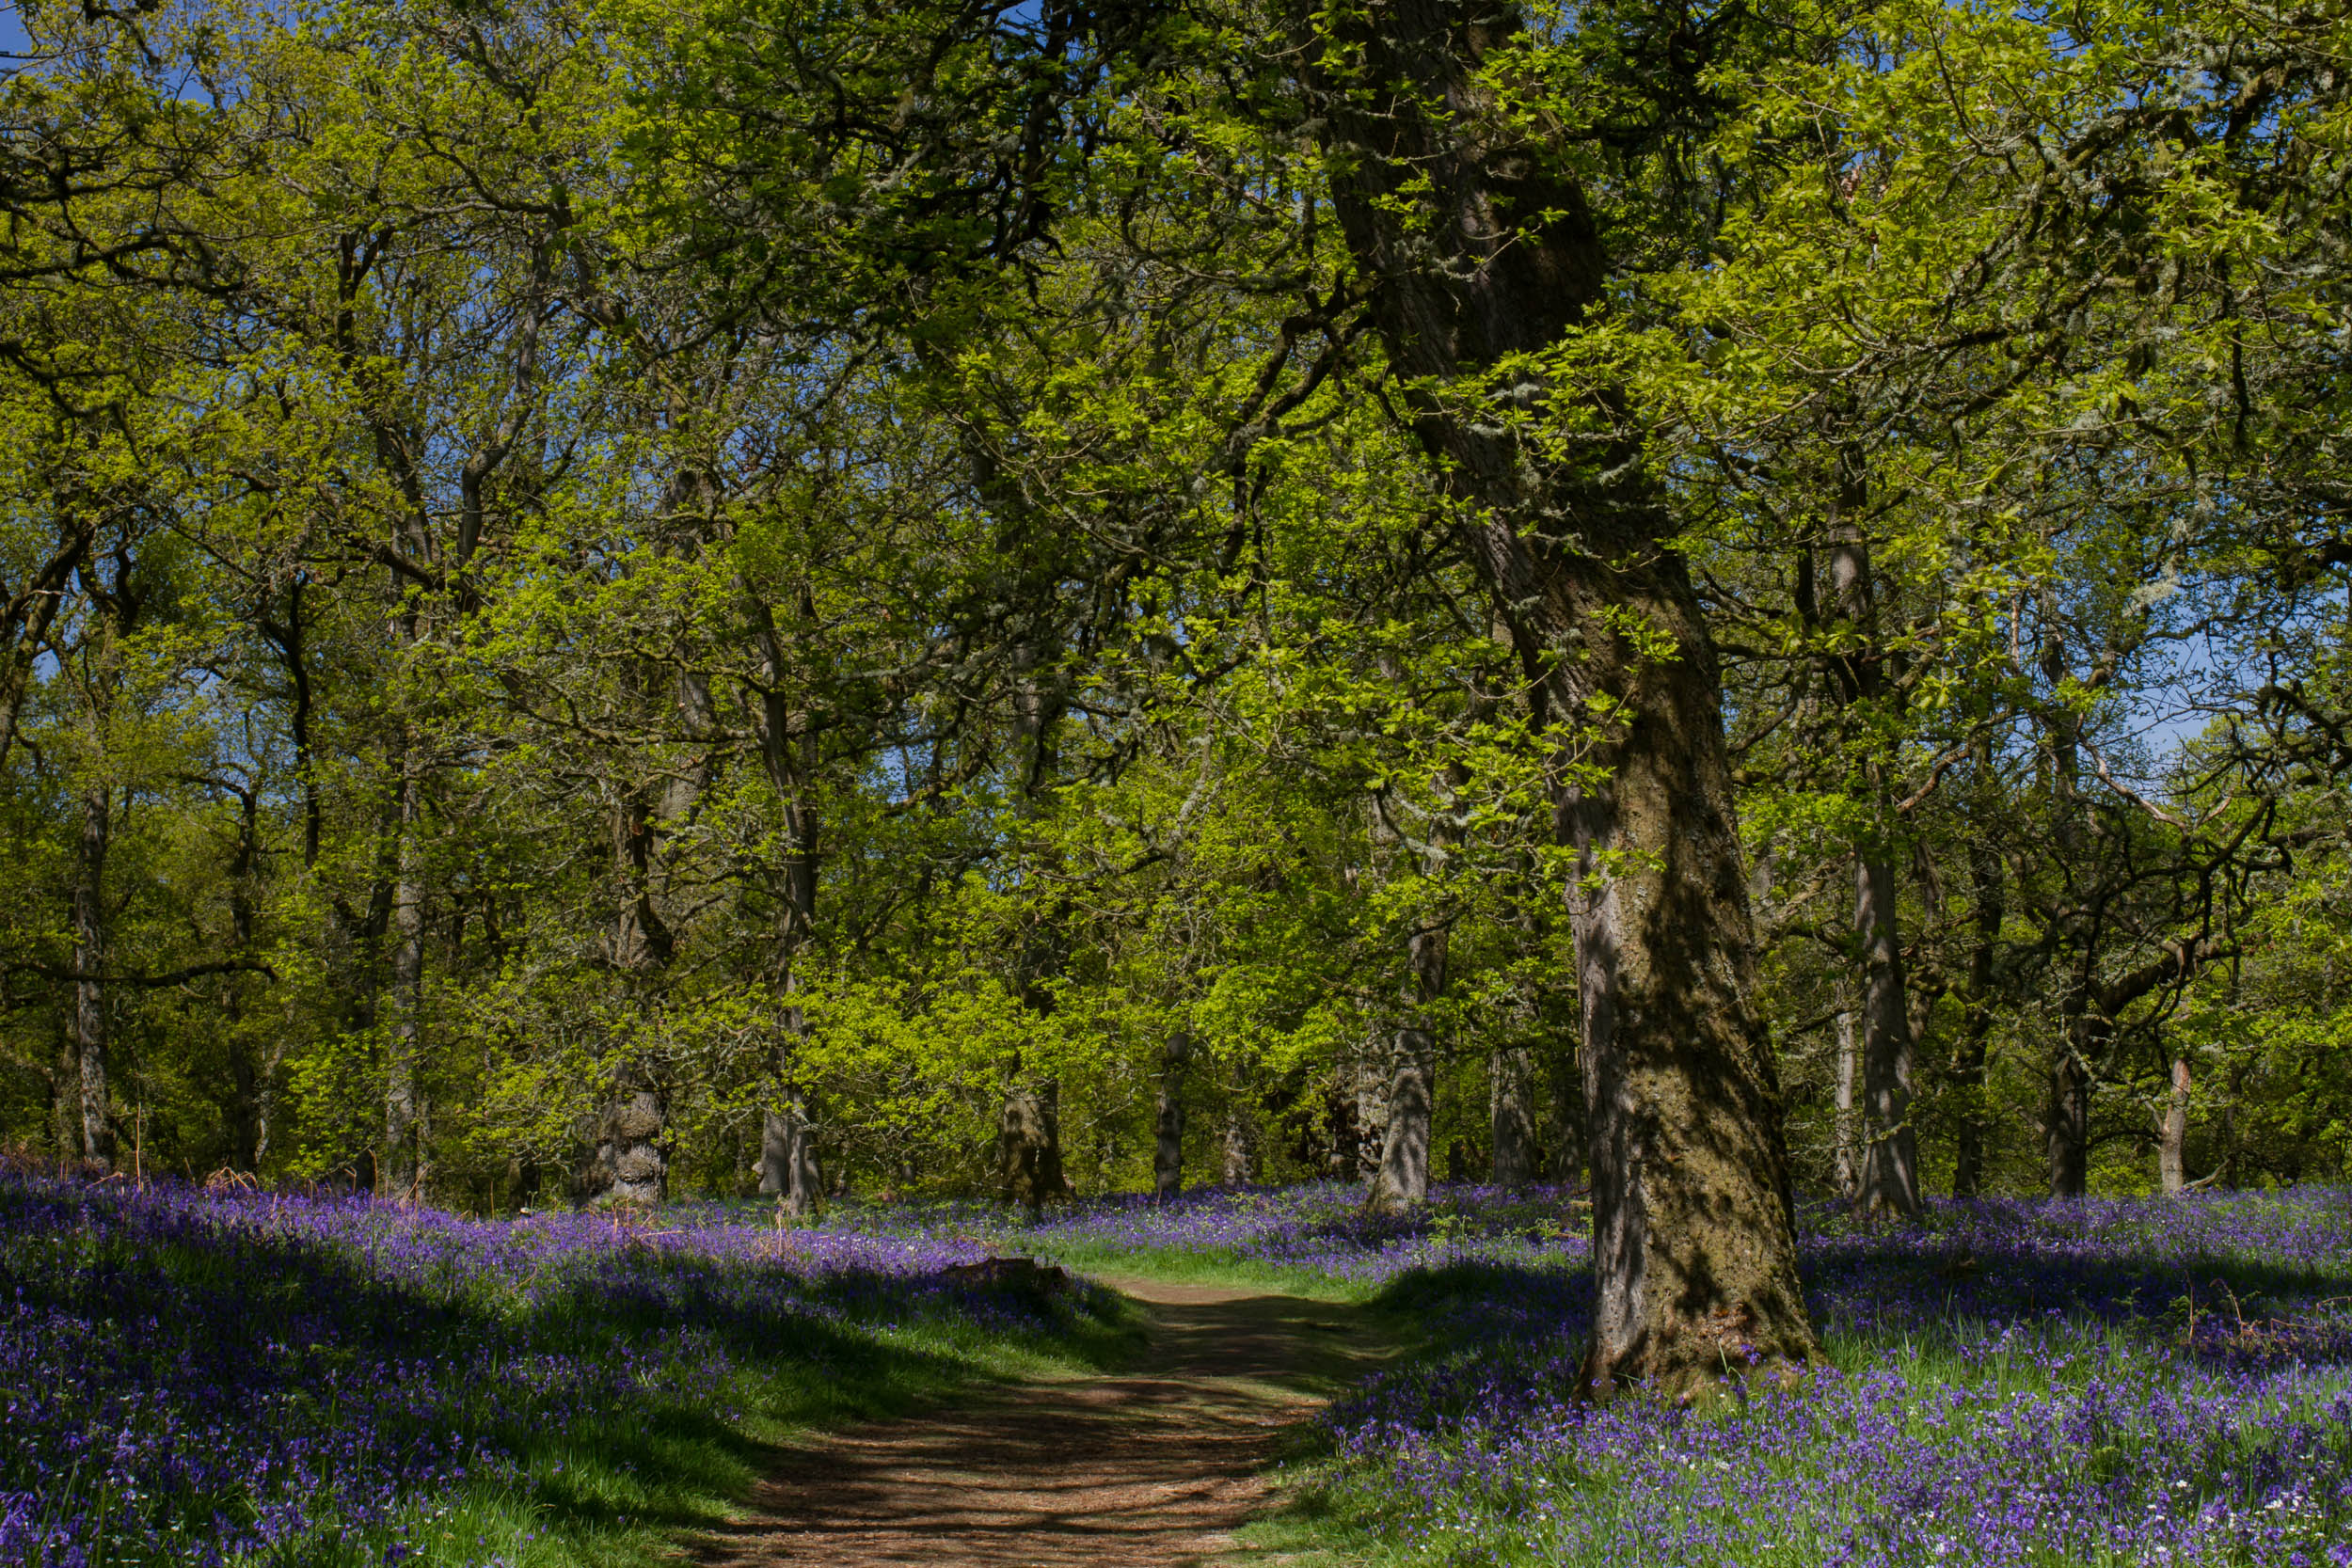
(1153, 1466)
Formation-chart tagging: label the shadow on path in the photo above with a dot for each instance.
(1153, 1466)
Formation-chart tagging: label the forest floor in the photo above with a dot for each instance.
(1156, 1465)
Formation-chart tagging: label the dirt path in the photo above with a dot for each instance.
(1155, 1467)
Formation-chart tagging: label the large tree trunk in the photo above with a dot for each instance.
(400, 1173)
(1168, 1150)
(1694, 1244)
(89, 992)
(1480, 247)
(1511, 1115)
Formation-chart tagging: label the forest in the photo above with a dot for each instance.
(1364, 643)
(605, 602)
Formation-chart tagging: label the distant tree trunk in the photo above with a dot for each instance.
(788, 1156)
(2172, 1141)
(1343, 1121)
(1968, 1069)
(788, 1169)
(1480, 249)
(1241, 1148)
(632, 1162)
(2067, 1119)
(629, 1156)
(1402, 1180)
(1372, 1107)
(1845, 1172)
(1029, 1144)
(1566, 1121)
(1890, 1153)
(248, 1117)
(789, 753)
(399, 1172)
(89, 992)
(1511, 1115)
(1167, 1151)
(1887, 1175)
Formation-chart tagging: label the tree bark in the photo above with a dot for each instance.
(1167, 1151)
(1480, 247)
(2172, 1139)
(89, 993)
(1511, 1116)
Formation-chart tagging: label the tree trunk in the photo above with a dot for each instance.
(1511, 1115)
(1167, 1151)
(1241, 1148)
(1568, 1142)
(1694, 1241)
(1401, 1181)
(1372, 1109)
(400, 1173)
(1887, 1175)
(2067, 1124)
(1844, 1169)
(1480, 247)
(789, 753)
(1029, 1145)
(2172, 1141)
(787, 1157)
(1890, 1151)
(630, 1160)
(89, 992)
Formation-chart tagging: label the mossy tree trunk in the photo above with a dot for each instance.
(1478, 248)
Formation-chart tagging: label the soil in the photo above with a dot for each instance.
(1154, 1465)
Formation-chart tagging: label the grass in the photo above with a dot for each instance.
(621, 1493)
